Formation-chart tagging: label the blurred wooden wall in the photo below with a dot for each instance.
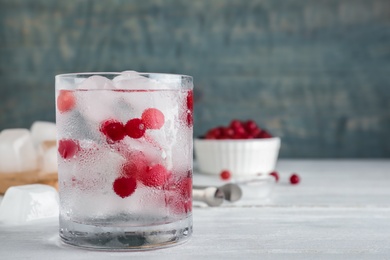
(316, 73)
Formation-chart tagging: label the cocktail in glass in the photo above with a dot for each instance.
(125, 159)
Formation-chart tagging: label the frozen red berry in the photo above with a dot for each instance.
(67, 148)
(154, 176)
(294, 179)
(65, 101)
(190, 100)
(135, 128)
(190, 119)
(124, 186)
(225, 175)
(153, 118)
(276, 175)
(136, 165)
(185, 187)
(113, 130)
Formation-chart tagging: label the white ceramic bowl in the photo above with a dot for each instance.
(240, 157)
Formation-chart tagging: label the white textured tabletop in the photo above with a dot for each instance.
(340, 210)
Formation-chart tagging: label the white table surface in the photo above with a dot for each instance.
(340, 210)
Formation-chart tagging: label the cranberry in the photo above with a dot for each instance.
(225, 175)
(265, 134)
(68, 148)
(185, 187)
(234, 124)
(214, 133)
(65, 101)
(190, 119)
(227, 133)
(135, 128)
(250, 125)
(124, 186)
(154, 176)
(153, 118)
(136, 165)
(178, 204)
(276, 175)
(113, 130)
(190, 100)
(294, 178)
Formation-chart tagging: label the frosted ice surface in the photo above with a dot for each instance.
(133, 80)
(96, 82)
(26, 203)
(97, 104)
(17, 151)
(43, 131)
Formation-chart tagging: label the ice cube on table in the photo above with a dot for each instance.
(48, 158)
(26, 203)
(43, 131)
(17, 151)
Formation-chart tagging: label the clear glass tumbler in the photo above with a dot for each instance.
(124, 159)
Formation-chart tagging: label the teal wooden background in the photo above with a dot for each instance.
(316, 73)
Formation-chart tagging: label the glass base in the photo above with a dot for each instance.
(125, 238)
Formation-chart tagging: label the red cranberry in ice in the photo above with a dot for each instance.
(294, 179)
(190, 100)
(185, 187)
(153, 118)
(225, 175)
(135, 166)
(65, 101)
(124, 186)
(154, 176)
(67, 148)
(190, 119)
(276, 175)
(135, 128)
(113, 130)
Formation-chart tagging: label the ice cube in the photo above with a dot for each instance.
(96, 82)
(43, 131)
(97, 104)
(48, 158)
(26, 203)
(133, 80)
(17, 151)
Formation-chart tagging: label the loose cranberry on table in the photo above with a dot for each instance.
(295, 179)
(276, 175)
(225, 175)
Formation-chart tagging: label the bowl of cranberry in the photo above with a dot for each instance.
(242, 148)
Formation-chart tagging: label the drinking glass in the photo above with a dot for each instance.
(124, 159)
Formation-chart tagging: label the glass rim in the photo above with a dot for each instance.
(75, 74)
